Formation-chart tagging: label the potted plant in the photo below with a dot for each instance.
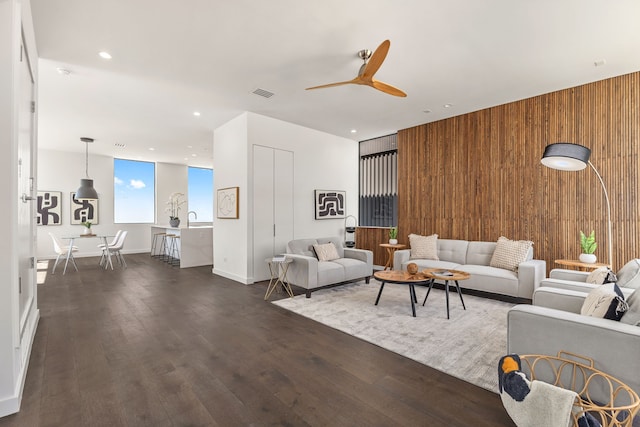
(588, 245)
(393, 236)
(173, 208)
(87, 228)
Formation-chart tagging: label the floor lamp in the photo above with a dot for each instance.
(573, 157)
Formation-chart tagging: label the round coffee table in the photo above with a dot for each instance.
(446, 275)
(402, 278)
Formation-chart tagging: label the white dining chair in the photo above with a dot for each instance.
(103, 248)
(64, 252)
(117, 249)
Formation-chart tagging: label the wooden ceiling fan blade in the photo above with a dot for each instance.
(331, 85)
(376, 60)
(387, 88)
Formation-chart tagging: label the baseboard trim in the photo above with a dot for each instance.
(234, 277)
(11, 404)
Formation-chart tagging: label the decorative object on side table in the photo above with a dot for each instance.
(87, 228)
(173, 208)
(588, 245)
(393, 236)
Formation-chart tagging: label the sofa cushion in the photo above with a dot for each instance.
(354, 268)
(302, 247)
(480, 253)
(490, 279)
(329, 273)
(632, 315)
(510, 253)
(629, 275)
(424, 247)
(326, 251)
(605, 301)
(454, 251)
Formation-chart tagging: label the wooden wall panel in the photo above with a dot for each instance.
(370, 238)
(478, 176)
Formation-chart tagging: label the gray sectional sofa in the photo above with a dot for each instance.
(474, 257)
(309, 273)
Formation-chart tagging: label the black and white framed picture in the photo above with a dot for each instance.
(330, 204)
(49, 208)
(83, 210)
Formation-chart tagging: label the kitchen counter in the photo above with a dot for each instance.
(195, 244)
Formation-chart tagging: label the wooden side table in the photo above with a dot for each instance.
(446, 275)
(391, 249)
(581, 265)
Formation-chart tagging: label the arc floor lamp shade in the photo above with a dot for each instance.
(566, 157)
(86, 190)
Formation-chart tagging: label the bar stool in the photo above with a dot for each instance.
(154, 244)
(173, 251)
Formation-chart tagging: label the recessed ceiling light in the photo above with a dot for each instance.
(63, 71)
(193, 155)
(448, 105)
(196, 113)
(105, 55)
(151, 149)
(426, 111)
(189, 146)
(353, 131)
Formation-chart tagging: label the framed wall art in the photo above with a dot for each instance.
(49, 208)
(83, 210)
(330, 204)
(227, 203)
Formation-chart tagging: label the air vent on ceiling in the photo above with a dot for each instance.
(263, 93)
(119, 145)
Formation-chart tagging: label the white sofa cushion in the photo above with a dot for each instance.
(480, 253)
(629, 275)
(330, 272)
(424, 247)
(632, 316)
(510, 253)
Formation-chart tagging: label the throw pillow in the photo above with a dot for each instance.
(326, 252)
(510, 253)
(632, 315)
(606, 301)
(423, 247)
(601, 275)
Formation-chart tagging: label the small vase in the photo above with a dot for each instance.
(393, 241)
(174, 222)
(588, 258)
(86, 231)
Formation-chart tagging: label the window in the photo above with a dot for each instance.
(134, 192)
(379, 182)
(201, 194)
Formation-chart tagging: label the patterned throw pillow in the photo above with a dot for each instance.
(601, 275)
(423, 247)
(510, 253)
(606, 301)
(326, 252)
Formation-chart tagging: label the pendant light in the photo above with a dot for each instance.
(86, 190)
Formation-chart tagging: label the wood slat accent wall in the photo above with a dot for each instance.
(370, 238)
(478, 176)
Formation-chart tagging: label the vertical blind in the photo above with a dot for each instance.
(379, 182)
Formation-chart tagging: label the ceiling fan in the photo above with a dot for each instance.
(365, 76)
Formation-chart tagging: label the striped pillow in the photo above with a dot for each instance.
(510, 253)
(424, 247)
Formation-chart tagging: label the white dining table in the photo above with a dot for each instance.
(103, 237)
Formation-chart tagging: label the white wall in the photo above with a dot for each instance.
(61, 171)
(321, 162)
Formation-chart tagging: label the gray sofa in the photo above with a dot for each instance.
(474, 258)
(309, 273)
(554, 323)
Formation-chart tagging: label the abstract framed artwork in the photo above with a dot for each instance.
(227, 203)
(330, 204)
(83, 210)
(49, 208)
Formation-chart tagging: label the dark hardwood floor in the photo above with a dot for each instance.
(155, 345)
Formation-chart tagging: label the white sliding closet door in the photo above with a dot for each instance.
(272, 206)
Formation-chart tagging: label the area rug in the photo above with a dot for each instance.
(467, 346)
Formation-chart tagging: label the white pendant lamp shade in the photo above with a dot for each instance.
(86, 190)
(566, 157)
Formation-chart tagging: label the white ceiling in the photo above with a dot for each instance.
(171, 58)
